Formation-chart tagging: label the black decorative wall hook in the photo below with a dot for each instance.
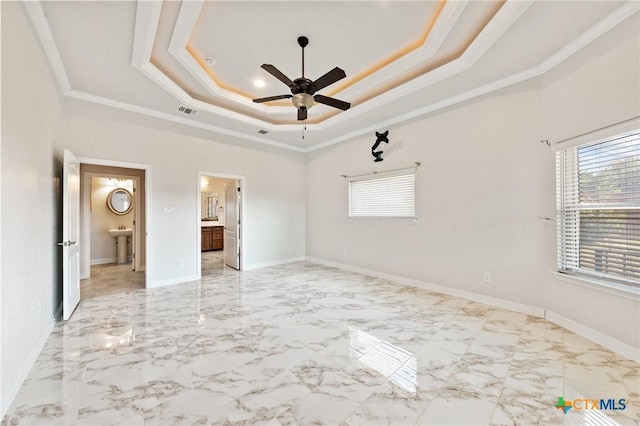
(382, 137)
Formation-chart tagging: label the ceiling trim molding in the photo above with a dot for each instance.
(449, 16)
(187, 18)
(41, 26)
(502, 21)
(599, 29)
(475, 51)
(144, 30)
(442, 28)
(147, 17)
(506, 16)
(181, 120)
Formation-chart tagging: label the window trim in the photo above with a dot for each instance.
(586, 277)
(605, 286)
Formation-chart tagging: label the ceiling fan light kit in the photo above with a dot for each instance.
(303, 89)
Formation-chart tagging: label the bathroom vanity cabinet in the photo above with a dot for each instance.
(212, 238)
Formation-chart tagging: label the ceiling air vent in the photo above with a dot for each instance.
(188, 111)
(262, 132)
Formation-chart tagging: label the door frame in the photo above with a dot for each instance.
(147, 206)
(242, 185)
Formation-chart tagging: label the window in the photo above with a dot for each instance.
(598, 196)
(390, 194)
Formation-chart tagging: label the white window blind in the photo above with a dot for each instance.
(598, 196)
(390, 194)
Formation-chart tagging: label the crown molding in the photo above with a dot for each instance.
(181, 120)
(147, 15)
(185, 23)
(599, 29)
(41, 26)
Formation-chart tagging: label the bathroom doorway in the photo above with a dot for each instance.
(113, 230)
(219, 219)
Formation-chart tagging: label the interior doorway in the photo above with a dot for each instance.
(219, 201)
(113, 229)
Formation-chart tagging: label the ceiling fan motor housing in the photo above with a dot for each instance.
(303, 85)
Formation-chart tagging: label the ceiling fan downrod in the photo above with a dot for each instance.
(303, 42)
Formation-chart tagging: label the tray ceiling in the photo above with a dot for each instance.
(402, 59)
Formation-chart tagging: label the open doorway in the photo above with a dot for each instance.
(113, 230)
(219, 221)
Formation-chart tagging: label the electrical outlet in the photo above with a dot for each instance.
(180, 263)
(344, 252)
(39, 307)
(486, 277)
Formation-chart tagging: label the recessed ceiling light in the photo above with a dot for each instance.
(210, 61)
(258, 82)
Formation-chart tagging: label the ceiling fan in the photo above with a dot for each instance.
(303, 89)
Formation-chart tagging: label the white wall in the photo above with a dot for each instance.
(32, 134)
(103, 246)
(597, 87)
(274, 199)
(480, 189)
(484, 181)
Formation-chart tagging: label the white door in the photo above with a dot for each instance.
(70, 234)
(232, 226)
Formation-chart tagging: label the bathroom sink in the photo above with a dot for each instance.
(120, 232)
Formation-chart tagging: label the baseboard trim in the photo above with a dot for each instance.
(11, 391)
(610, 343)
(58, 313)
(273, 263)
(475, 297)
(103, 261)
(172, 281)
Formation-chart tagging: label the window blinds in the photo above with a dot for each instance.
(390, 194)
(598, 194)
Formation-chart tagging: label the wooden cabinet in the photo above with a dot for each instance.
(212, 238)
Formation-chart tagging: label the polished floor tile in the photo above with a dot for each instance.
(302, 344)
(111, 278)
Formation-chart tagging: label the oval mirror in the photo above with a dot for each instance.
(119, 201)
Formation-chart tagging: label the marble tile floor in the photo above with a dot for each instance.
(212, 263)
(111, 278)
(303, 344)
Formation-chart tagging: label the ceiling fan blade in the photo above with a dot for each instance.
(272, 98)
(336, 103)
(277, 74)
(302, 114)
(329, 78)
